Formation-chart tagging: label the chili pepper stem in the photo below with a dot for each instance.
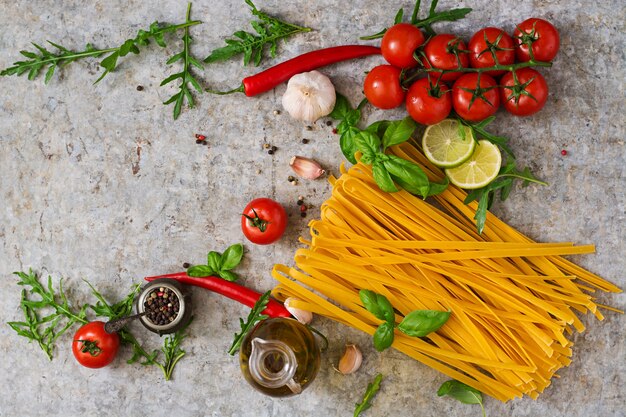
(239, 89)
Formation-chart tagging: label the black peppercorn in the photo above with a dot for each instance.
(305, 141)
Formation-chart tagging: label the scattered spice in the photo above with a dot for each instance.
(270, 152)
(294, 182)
(303, 214)
(300, 202)
(186, 265)
(162, 306)
(290, 178)
(305, 141)
(335, 131)
(274, 148)
(276, 112)
(199, 142)
(266, 145)
(301, 198)
(329, 123)
(563, 152)
(140, 88)
(200, 137)
(303, 207)
(309, 128)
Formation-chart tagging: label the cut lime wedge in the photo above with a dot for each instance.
(445, 146)
(478, 171)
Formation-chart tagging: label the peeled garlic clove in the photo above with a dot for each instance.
(302, 316)
(306, 167)
(309, 96)
(351, 360)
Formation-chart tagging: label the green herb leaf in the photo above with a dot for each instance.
(368, 143)
(228, 275)
(409, 175)
(420, 323)
(269, 31)
(461, 392)
(200, 271)
(254, 317)
(382, 177)
(219, 264)
(232, 256)
(370, 392)
(342, 107)
(172, 351)
(398, 132)
(378, 305)
(383, 337)
(349, 118)
(214, 261)
(379, 128)
(348, 144)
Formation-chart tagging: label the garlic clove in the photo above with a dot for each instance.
(306, 167)
(351, 360)
(303, 316)
(309, 96)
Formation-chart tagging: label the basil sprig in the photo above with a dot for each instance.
(418, 323)
(461, 392)
(219, 264)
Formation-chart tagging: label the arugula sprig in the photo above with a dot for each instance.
(47, 329)
(269, 31)
(433, 17)
(43, 58)
(254, 317)
(172, 351)
(372, 388)
(502, 183)
(186, 77)
(418, 323)
(219, 264)
(462, 392)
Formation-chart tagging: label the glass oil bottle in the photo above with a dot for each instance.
(280, 357)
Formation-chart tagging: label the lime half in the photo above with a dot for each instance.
(480, 169)
(445, 146)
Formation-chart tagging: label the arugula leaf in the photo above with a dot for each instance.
(461, 392)
(420, 323)
(254, 317)
(370, 392)
(219, 264)
(478, 129)
(185, 75)
(172, 351)
(269, 30)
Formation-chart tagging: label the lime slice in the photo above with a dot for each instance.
(445, 146)
(480, 169)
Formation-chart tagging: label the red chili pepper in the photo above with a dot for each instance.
(271, 77)
(234, 291)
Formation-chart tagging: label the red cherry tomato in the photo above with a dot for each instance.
(399, 43)
(440, 54)
(382, 87)
(484, 105)
(263, 221)
(93, 347)
(488, 42)
(540, 35)
(527, 99)
(428, 102)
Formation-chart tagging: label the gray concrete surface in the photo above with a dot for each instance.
(98, 182)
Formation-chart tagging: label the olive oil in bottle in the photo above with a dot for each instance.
(279, 357)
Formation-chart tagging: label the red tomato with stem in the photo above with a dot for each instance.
(428, 102)
(538, 36)
(445, 52)
(382, 87)
(263, 221)
(491, 46)
(93, 347)
(475, 96)
(399, 44)
(526, 96)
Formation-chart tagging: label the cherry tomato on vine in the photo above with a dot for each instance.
(490, 42)
(528, 97)
(382, 87)
(399, 43)
(446, 52)
(538, 34)
(93, 347)
(263, 221)
(428, 102)
(475, 101)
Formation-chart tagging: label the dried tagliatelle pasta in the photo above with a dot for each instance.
(513, 301)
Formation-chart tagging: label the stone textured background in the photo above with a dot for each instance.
(99, 182)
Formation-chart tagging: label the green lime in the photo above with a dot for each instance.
(445, 146)
(480, 169)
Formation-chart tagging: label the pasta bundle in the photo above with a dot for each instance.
(513, 301)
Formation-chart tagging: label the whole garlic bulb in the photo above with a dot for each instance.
(309, 96)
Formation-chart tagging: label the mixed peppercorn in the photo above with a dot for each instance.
(162, 306)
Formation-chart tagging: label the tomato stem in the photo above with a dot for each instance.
(90, 346)
(256, 221)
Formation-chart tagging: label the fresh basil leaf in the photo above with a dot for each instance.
(214, 261)
(379, 127)
(348, 145)
(368, 143)
(398, 132)
(200, 271)
(420, 323)
(409, 175)
(383, 337)
(232, 256)
(228, 275)
(382, 177)
(341, 109)
(461, 392)
(437, 187)
(378, 305)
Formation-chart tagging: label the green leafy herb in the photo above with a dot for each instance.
(254, 317)
(418, 323)
(269, 30)
(45, 330)
(479, 131)
(172, 351)
(426, 23)
(370, 392)
(347, 127)
(185, 76)
(219, 264)
(504, 183)
(43, 58)
(461, 392)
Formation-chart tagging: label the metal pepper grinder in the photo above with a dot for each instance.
(165, 305)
